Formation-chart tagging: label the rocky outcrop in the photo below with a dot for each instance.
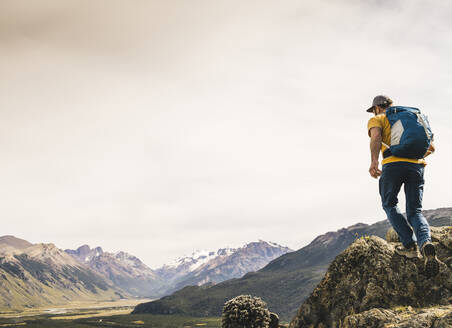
(369, 285)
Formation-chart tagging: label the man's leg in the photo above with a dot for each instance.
(390, 183)
(414, 189)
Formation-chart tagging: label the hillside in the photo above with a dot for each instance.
(42, 274)
(124, 270)
(285, 282)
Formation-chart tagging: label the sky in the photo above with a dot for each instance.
(161, 127)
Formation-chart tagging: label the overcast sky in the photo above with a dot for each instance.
(160, 127)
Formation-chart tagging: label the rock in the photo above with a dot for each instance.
(444, 322)
(392, 236)
(274, 320)
(245, 311)
(367, 284)
(403, 317)
(371, 318)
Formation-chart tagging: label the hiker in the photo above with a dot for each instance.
(404, 137)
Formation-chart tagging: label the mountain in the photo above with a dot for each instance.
(370, 285)
(13, 242)
(285, 282)
(122, 269)
(41, 274)
(201, 267)
(214, 267)
(180, 267)
(84, 254)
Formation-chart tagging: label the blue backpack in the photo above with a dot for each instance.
(411, 134)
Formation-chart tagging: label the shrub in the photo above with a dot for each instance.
(245, 311)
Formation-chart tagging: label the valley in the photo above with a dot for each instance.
(77, 309)
(102, 314)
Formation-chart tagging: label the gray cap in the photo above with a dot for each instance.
(379, 101)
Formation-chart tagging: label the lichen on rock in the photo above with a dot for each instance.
(402, 317)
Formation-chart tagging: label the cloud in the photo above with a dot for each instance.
(178, 125)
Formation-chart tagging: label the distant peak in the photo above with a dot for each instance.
(15, 242)
(357, 226)
(201, 257)
(46, 246)
(122, 254)
(266, 243)
(84, 248)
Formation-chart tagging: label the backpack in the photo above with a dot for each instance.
(411, 134)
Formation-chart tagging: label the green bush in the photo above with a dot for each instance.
(245, 311)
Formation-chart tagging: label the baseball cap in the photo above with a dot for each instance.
(378, 101)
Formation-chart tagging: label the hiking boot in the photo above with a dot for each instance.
(410, 252)
(431, 262)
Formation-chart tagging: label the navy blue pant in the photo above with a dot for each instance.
(411, 175)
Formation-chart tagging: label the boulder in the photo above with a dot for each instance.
(274, 320)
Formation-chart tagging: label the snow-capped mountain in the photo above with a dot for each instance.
(203, 267)
(198, 258)
(130, 274)
(183, 265)
(124, 270)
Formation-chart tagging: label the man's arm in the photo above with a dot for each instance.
(375, 146)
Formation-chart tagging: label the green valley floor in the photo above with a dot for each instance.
(100, 314)
(118, 321)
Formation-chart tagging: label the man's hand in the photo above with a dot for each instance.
(374, 171)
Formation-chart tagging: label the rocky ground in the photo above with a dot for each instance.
(369, 285)
(402, 317)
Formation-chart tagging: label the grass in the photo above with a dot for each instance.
(103, 314)
(156, 321)
(117, 321)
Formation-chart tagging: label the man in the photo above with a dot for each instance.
(395, 172)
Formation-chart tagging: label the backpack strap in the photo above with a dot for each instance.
(387, 151)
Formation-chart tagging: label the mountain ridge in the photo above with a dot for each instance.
(14, 242)
(43, 275)
(202, 267)
(124, 270)
(221, 265)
